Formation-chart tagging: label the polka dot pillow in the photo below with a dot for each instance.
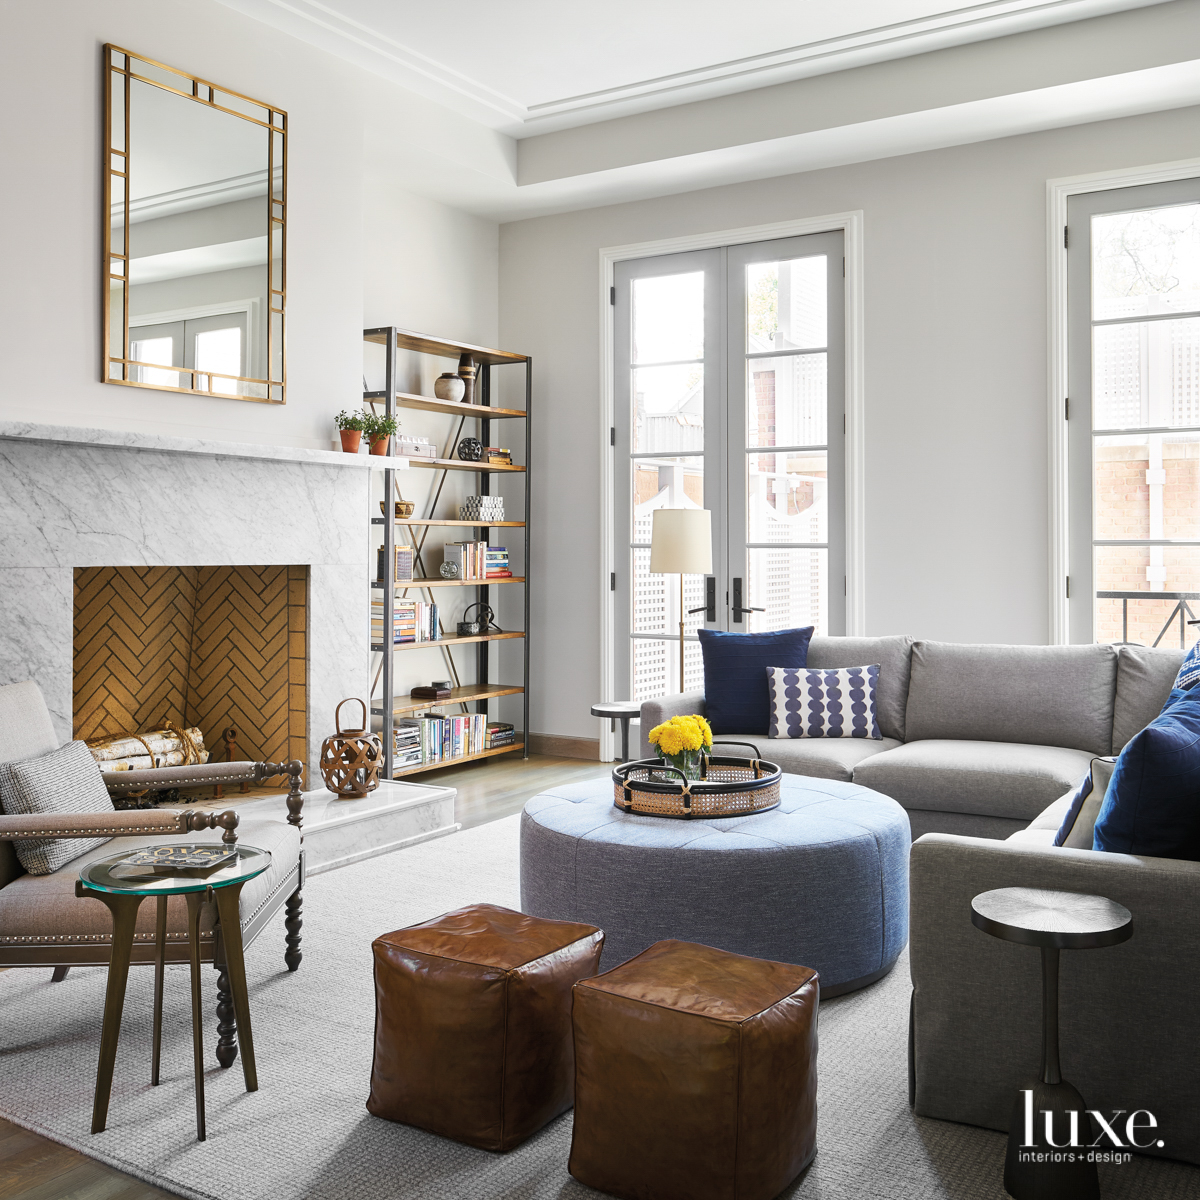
(812, 703)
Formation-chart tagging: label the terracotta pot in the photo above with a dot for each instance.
(381, 445)
(351, 439)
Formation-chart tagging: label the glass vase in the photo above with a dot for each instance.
(688, 761)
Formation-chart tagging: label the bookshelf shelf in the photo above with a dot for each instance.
(452, 639)
(474, 697)
(462, 758)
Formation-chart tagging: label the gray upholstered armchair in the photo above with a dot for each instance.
(44, 924)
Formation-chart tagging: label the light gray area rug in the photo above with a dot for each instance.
(306, 1134)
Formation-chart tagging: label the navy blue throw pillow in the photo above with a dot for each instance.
(1153, 801)
(736, 698)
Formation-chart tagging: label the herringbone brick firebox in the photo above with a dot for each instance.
(215, 647)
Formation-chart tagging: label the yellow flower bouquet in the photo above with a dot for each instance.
(683, 742)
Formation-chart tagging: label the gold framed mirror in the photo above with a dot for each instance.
(195, 234)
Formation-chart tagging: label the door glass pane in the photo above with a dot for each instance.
(668, 408)
(220, 350)
(787, 497)
(792, 585)
(1146, 262)
(786, 400)
(668, 318)
(785, 304)
(1130, 611)
(656, 668)
(1146, 373)
(155, 350)
(1147, 486)
(664, 483)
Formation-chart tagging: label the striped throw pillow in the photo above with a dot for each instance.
(814, 703)
(1189, 669)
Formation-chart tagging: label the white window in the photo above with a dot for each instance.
(216, 344)
(729, 395)
(1133, 263)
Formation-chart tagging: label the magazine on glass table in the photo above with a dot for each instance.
(176, 860)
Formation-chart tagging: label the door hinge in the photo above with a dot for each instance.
(612, 294)
(1068, 587)
(1066, 237)
(612, 435)
(1066, 408)
(612, 581)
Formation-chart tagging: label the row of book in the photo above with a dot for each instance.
(478, 560)
(412, 621)
(430, 738)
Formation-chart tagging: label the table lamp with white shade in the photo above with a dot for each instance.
(681, 544)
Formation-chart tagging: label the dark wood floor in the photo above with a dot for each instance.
(35, 1168)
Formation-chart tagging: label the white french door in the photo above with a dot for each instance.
(729, 395)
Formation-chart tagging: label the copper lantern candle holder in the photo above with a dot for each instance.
(351, 758)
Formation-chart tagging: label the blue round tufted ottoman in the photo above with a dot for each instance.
(821, 881)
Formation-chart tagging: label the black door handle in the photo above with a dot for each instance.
(738, 606)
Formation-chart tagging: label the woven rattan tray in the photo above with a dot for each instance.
(729, 787)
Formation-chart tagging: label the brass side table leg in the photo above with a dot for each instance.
(160, 963)
(124, 911)
(194, 901)
(235, 965)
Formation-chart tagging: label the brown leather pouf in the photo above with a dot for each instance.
(695, 1076)
(473, 1023)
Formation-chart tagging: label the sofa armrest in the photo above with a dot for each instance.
(124, 783)
(655, 712)
(114, 824)
(977, 1000)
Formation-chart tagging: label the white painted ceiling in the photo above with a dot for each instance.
(532, 66)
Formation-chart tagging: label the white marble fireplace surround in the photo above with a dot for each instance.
(93, 497)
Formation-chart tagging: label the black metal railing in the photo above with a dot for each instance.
(1181, 610)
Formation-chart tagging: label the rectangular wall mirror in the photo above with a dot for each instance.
(195, 234)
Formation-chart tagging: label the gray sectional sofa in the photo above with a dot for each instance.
(977, 739)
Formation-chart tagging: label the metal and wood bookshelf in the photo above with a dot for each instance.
(414, 531)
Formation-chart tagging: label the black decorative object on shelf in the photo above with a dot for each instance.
(470, 449)
(483, 622)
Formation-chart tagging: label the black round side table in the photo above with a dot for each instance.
(1038, 1167)
(619, 710)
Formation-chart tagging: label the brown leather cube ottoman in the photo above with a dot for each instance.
(695, 1076)
(473, 1023)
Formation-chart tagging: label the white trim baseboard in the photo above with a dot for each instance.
(1058, 191)
(851, 224)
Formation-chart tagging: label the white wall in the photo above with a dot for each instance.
(421, 263)
(956, 331)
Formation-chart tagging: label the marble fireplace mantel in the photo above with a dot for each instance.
(77, 497)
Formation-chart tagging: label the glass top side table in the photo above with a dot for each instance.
(1053, 921)
(123, 889)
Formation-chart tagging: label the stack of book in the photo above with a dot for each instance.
(439, 738)
(497, 456)
(406, 745)
(469, 557)
(412, 621)
(496, 561)
(483, 509)
(498, 735)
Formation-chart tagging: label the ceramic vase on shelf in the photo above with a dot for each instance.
(466, 372)
(450, 387)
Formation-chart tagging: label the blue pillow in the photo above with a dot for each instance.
(1189, 669)
(736, 699)
(1153, 801)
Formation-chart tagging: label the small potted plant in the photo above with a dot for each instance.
(350, 426)
(379, 431)
(683, 742)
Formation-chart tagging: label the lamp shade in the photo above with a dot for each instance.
(681, 542)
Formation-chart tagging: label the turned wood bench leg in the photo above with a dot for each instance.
(293, 924)
(60, 973)
(227, 1046)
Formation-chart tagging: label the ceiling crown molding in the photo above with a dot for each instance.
(322, 25)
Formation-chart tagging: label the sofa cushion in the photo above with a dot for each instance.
(1151, 806)
(893, 654)
(45, 906)
(735, 674)
(835, 702)
(819, 758)
(1083, 806)
(65, 782)
(999, 779)
(1145, 677)
(1031, 695)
